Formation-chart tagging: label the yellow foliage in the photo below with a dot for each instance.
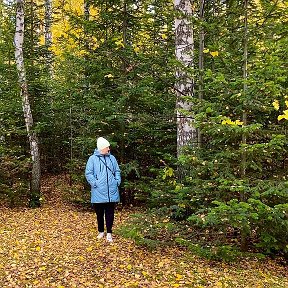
(283, 116)
(285, 112)
(61, 27)
(238, 122)
(206, 51)
(230, 122)
(144, 35)
(144, 273)
(136, 49)
(164, 36)
(89, 249)
(119, 43)
(214, 53)
(276, 104)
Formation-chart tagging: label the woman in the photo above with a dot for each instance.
(103, 174)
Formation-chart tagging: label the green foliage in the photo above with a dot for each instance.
(269, 224)
(117, 81)
(155, 228)
(13, 192)
(239, 167)
(225, 253)
(14, 162)
(150, 229)
(134, 234)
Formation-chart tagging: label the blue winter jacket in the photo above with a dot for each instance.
(103, 174)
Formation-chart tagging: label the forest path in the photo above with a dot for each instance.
(56, 246)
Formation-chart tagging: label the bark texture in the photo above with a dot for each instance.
(184, 49)
(32, 137)
(48, 33)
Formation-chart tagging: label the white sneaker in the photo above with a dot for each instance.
(100, 235)
(109, 237)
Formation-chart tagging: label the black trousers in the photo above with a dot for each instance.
(106, 209)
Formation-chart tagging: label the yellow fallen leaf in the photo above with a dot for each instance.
(160, 264)
(137, 276)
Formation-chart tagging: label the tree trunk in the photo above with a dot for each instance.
(48, 34)
(201, 60)
(32, 137)
(184, 86)
(244, 116)
(125, 70)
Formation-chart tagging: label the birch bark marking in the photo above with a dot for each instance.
(201, 60)
(244, 234)
(184, 48)
(48, 34)
(86, 10)
(33, 140)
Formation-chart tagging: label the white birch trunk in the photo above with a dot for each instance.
(86, 10)
(184, 49)
(244, 116)
(86, 7)
(48, 33)
(33, 140)
(201, 60)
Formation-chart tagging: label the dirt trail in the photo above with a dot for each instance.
(56, 246)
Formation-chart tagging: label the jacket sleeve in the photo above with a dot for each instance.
(117, 172)
(89, 172)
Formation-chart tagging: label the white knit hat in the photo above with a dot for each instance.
(102, 143)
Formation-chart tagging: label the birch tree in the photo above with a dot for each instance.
(201, 58)
(244, 114)
(184, 46)
(32, 137)
(48, 33)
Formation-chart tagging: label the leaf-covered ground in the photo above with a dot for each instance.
(56, 246)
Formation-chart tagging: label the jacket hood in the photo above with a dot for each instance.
(97, 153)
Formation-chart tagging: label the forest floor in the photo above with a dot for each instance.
(56, 246)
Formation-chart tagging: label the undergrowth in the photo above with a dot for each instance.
(154, 229)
